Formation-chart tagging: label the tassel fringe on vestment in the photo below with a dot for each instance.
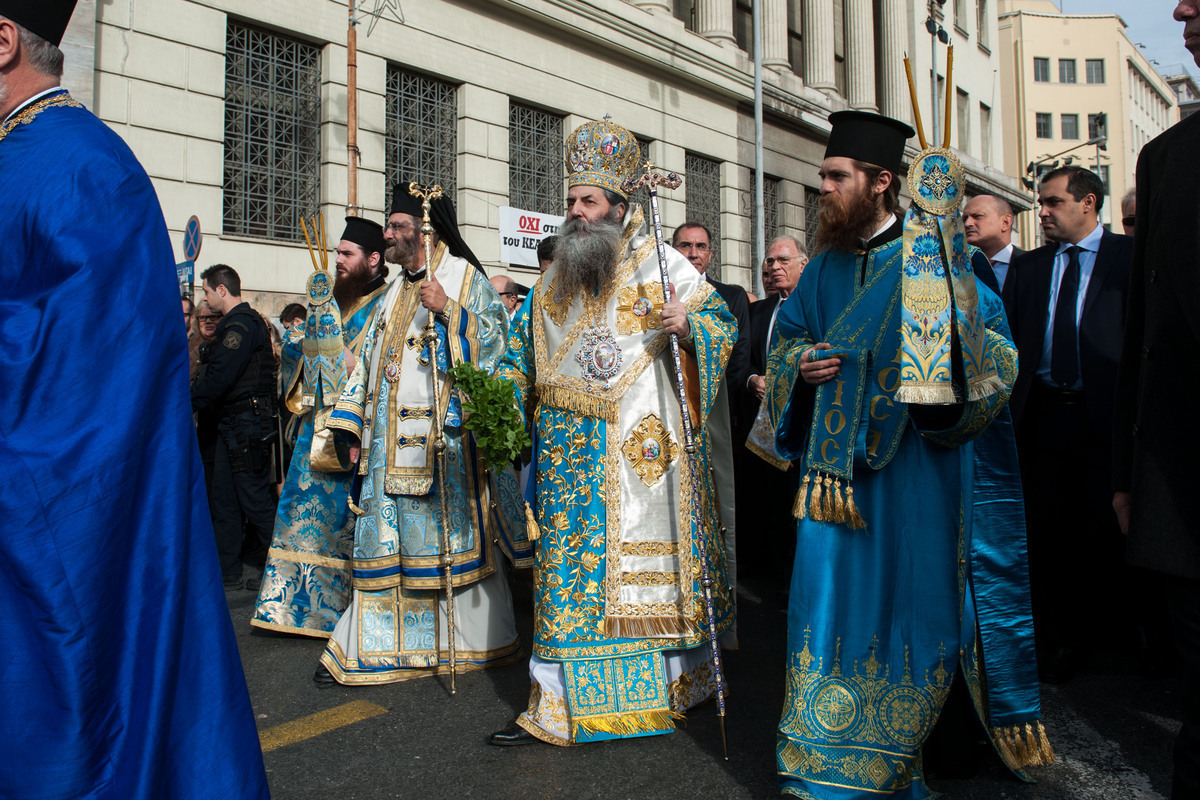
(827, 502)
(625, 724)
(1023, 745)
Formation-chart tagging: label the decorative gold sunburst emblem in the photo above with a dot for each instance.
(650, 449)
(556, 307)
(639, 308)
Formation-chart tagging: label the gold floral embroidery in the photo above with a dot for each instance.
(650, 449)
(639, 308)
(650, 578)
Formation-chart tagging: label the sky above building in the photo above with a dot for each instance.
(1149, 24)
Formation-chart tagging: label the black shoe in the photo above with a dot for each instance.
(323, 678)
(233, 584)
(253, 584)
(512, 736)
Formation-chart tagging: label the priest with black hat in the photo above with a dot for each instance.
(879, 613)
(396, 625)
(306, 581)
(121, 674)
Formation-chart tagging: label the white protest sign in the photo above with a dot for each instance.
(520, 232)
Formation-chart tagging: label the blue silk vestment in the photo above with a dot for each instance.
(306, 582)
(620, 643)
(395, 627)
(880, 619)
(121, 677)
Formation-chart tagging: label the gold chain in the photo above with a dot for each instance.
(30, 112)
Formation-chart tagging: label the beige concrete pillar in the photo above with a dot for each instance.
(860, 55)
(714, 20)
(653, 6)
(895, 101)
(775, 35)
(818, 44)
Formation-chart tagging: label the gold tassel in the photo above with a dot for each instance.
(839, 502)
(799, 504)
(827, 501)
(358, 512)
(1003, 740)
(814, 500)
(531, 526)
(853, 517)
(1045, 751)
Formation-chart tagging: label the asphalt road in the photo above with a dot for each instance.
(1111, 728)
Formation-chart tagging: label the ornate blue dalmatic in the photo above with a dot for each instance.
(620, 643)
(893, 569)
(120, 677)
(306, 582)
(395, 627)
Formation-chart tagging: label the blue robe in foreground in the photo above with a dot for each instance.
(120, 676)
(306, 581)
(880, 619)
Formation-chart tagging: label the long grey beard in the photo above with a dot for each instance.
(586, 255)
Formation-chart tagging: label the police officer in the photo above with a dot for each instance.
(236, 381)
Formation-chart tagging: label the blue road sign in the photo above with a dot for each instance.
(192, 239)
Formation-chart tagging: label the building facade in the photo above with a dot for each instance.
(1187, 93)
(238, 108)
(1077, 90)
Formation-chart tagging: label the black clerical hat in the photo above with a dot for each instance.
(441, 216)
(365, 233)
(47, 18)
(872, 138)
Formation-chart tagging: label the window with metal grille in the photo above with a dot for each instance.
(702, 182)
(536, 160)
(770, 209)
(1044, 124)
(1066, 70)
(421, 132)
(1095, 70)
(812, 212)
(642, 196)
(272, 133)
(1041, 70)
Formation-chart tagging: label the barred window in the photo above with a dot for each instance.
(272, 133)
(1095, 70)
(536, 160)
(1070, 126)
(642, 196)
(421, 130)
(812, 211)
(1066, 70)
(770, 209)
(702, 182)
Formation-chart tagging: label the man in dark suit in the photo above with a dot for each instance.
(987, 221)
(1066, 307)
(1153, 452)
(694, 240)
(765, 494)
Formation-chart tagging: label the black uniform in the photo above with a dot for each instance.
(236, 384)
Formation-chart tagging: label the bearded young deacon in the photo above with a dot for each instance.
(620, 645)
(306, 581)
(910, 536)
(396, 626)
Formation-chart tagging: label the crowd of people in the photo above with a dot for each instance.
(935, 451)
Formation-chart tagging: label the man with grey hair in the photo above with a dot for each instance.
(122, 677)
(1129, 211)
(987, 221)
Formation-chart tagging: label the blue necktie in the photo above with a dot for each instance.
(1064, 357)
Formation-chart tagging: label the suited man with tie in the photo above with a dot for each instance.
(987, 221)
(1066, 307)
(765, 493)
